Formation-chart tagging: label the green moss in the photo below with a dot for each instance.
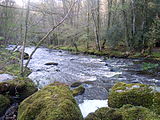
(14, 69)
(78, 91)
(130, 112)
(135, 94)
(156, 54)
(4, 103)
(104, 114)
(22, 87)
(149, 66)
(127, 112)
(156, 103)
(54, 102)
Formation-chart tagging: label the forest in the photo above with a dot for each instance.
(79, 59)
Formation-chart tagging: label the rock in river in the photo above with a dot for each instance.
(134, 94)
(51, 63)
(78, 91)
(127, 112)
(26, 56)
(53, 102)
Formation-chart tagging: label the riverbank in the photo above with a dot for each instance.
(9, 63)
(118, 53)
(13, 87)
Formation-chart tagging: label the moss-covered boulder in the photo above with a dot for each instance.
(134, 94)
(156, 103)
(22, 87)
(78, 91)
(127, 112)
(4, 104)
(54, 102)
(104, 114)
(130, 112)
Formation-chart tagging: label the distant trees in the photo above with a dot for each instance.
(7, 20)
(153, 34)
(92, 24)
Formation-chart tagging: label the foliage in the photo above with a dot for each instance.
(1, 38)
(154, 33)
(148, 66)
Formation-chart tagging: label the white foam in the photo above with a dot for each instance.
(89, 106)
(111, 74)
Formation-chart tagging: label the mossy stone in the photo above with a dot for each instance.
(130, 112)
(78, 91)
(134, 94)
(104, 114)
(23, 87)
(156, 103)
(4, 104)
(53, 102)
(127, 112)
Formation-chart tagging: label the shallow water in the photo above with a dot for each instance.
(96, 74)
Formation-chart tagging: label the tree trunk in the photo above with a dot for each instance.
(25, 38)
(127, 39)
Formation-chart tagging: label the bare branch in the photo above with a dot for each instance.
(49, 32)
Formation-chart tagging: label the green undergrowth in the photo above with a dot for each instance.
(119, 52)
(149, 66)
(9, 63)
(93, 51)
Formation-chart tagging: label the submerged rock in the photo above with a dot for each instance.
(76, 84)
(51, 63)
(26, 56)
(127, 112)
(78, 91)
(4, 103)
(134, 94)
(54, 102)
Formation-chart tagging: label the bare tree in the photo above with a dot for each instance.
(96, 21)
(48, 33)
(25, 38)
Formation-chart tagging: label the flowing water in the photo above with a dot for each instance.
(96, 74)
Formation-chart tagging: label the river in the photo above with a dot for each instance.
(97, 74)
